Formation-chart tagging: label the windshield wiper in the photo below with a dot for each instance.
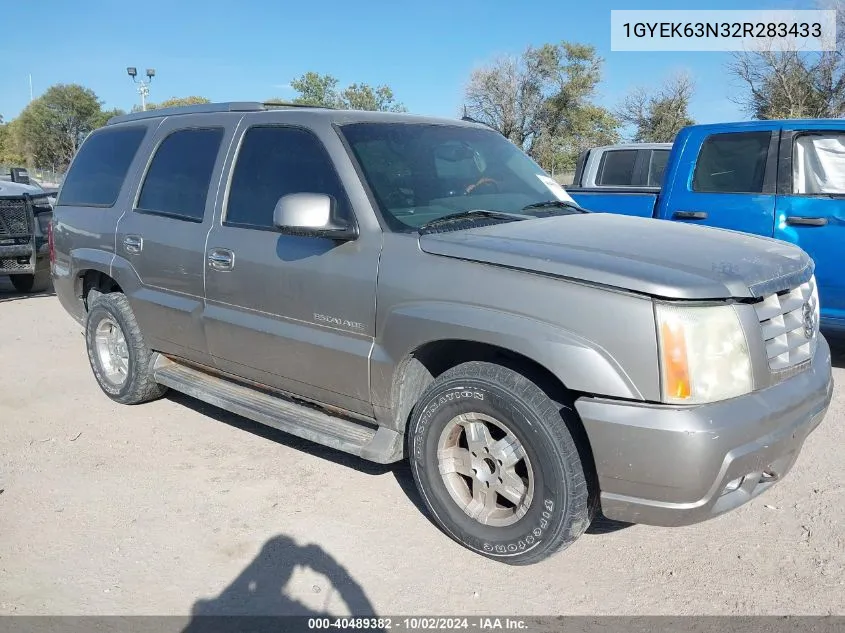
(468, 216)
(555, 204)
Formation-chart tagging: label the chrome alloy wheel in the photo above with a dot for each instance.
(112, 352)
(485, 469)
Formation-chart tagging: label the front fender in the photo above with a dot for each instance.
(581, 364)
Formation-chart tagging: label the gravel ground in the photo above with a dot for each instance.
(176, 507)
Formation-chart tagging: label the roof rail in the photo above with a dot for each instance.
(209, 108)
(202, 108)
(290, 104)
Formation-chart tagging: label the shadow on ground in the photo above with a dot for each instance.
(837, 348)
(400, 470)
(602, 525)
(261, 590)
(8, 292)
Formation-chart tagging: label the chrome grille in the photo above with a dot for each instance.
(14, 218)
(790, 321)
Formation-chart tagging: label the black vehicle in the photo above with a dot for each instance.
(25, 213)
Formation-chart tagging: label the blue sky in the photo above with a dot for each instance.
(245, 50)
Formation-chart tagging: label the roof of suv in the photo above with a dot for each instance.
(339, 116)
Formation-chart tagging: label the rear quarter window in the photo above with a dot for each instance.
(99, 169)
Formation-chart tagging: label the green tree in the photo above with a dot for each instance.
(365, 97)
(321, 90)
(316, 90)
(658, 117)
(542, 100)
(105, 115)
(50, 128)
(9, 152)
(173, 102)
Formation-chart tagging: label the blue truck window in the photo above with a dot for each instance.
(732, 163)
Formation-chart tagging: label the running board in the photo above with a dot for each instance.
(377, 444)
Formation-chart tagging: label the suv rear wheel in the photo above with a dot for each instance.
(496, 464)
(118, 355)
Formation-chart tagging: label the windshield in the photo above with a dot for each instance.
(419, 173)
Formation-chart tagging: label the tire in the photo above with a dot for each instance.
(39, 282)
(123, 371)
(553, 506)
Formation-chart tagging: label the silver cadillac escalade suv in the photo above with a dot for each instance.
(400, 287)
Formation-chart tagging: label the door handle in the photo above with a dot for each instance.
(689, 215)
(133, 244)
(221, 259)
(797, 220)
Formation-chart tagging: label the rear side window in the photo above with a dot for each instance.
(177, 181)
(100, 167)
(732, 163)
(617, 167)
(276, 161)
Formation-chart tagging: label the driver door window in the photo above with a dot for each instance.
(267, 316)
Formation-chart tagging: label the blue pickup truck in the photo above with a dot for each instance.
(782, 179)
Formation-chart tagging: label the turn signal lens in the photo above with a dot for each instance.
(675, 365)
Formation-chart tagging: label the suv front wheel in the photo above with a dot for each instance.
(496, 464)
(118, 355)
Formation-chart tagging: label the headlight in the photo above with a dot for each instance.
(703, 353)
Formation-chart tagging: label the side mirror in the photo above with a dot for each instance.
(311, 214)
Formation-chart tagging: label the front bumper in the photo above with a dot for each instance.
(668, 465)
(22, 255)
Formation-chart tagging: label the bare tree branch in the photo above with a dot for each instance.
(658, 117)
(541, 100)
(784, 84)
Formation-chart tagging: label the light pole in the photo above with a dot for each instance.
(143, 86)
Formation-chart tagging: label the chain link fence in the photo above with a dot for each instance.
(46, 177)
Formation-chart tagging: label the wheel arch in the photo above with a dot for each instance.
(93, 279)
(442, 333)
(424, 364)
(91, 269)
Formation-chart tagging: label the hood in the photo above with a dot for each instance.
(9, 188)
(654, 257)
